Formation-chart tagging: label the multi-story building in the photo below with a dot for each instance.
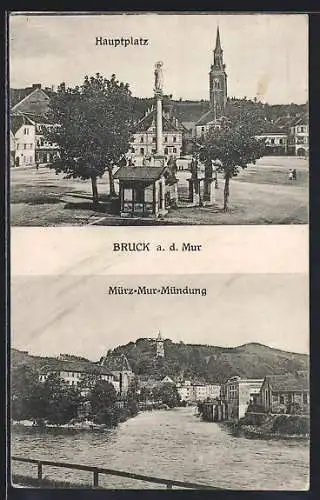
(28, 122)
(238, 393)
(185, 390)
(280, 393)
(143, 144)
(298, 140)
(193, 392)
(74, 372)
(276, 143)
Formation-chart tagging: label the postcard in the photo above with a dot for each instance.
(159, 323)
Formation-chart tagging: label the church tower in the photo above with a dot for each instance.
(218, 81)
(160, 346)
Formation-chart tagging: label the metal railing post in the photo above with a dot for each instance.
(39, 470)
(95, 479)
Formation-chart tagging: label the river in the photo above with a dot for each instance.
(172, 444)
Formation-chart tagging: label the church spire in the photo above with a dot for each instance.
(218, 80)
(218, 43)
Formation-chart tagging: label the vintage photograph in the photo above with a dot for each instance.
(146, 382)
(158, 119)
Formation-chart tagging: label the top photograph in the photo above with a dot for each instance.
(157, 119)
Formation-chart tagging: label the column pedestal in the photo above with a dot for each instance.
(208, 192)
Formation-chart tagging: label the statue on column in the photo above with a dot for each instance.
(158, 77)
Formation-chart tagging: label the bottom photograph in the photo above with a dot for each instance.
(160, 382)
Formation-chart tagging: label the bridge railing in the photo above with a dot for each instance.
(99, 470)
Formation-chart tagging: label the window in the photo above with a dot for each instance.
(280, 141)
(24, 146)
(281, 400)
(166, 139)
(142, 151)
(202, 129)
(174, 139)
(18, 146)
(174, 150)
(165, 151)
(139, 195)
(153, 139)
(141, 139)
(272, 141)
(26, 131)
(305, 398)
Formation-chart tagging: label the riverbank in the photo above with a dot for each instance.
(287, 427)
(181, 446)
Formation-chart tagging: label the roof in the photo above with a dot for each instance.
(117, 363)
(34, 101)
(74, 366)
(16, 122)
(139, 173)
(208, 117)
(149, 120)
(190, 112)
(288, 382)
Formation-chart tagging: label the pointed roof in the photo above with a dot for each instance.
(218, 43)
(159, 336)
(16, 122)
(36, 101)
(116, 363)
(150, 119)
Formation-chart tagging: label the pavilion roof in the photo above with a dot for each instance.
(139, 173)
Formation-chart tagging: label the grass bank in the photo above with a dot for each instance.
(272, 426)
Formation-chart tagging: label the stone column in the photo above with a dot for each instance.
(159, 143)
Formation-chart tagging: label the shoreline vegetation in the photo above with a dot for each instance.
(287, 427)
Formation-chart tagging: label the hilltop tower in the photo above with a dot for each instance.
(160, 346)
(218, 81)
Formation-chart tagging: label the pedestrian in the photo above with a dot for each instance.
(294, 173)
(37, 165)
(290, 174)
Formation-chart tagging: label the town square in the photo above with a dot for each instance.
(163, 160)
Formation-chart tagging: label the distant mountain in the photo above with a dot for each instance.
(208, 363)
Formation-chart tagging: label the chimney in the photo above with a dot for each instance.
(36, 86)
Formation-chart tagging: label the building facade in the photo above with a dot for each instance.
(195, 392)
(285, 393)
(276, 143)
(238, 393)
(28, 123)
(143, 143)
(298, 140)
(76, 372)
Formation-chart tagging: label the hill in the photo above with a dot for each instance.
(208, 363)
(203, 363)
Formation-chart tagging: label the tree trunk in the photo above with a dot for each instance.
(95, 196)
(111, 182)
(226, 192)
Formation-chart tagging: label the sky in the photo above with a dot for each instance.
(75, 314)
(266, 55)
